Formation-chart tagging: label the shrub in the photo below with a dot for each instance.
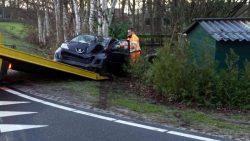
(118, 30)
(177, 75)
(139, 69)
(232, 88)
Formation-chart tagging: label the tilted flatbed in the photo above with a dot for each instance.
(21, 61)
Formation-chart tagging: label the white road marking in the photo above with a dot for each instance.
(141, 126)
(13, 113)
(16, 127)
(103, 117)
(94, 115)
(21, 95)
(11, 102)
(57, 106)
(190, 136)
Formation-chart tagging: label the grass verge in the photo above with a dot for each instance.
(80, 87)
(138, 106)
(232, 124)
(15, 34)
(19, 30)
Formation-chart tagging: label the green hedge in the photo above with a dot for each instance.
(176, 75)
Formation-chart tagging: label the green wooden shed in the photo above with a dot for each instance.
(217, 36)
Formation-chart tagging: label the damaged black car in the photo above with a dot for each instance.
(94, 53)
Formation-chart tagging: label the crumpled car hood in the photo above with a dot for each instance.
(76, 46)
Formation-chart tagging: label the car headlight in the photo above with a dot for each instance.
(57, 54)
(64, 46)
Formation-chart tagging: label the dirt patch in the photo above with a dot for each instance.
(103, 97)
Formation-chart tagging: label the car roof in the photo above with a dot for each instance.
(92, 34)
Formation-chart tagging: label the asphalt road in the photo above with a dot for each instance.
(37, 119)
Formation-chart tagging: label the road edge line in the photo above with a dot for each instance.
(106, 118)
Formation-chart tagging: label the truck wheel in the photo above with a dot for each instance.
(3, 68)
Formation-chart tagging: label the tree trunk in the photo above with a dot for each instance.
(82, 13)
(151, 14)
(39, 26)
(99, 18)
(3, 3)
(111, 12)
(3, 7)
(44, 37)
(105, 18)
(57, 18)
(85, 24)
(18, 4)
(92, 16)
(65, 21)
(47, 23)
(123, 8)
(10, 3)
(133, 14)
(142, 21)
(77, 18)
(129, 11)
(158, 16)
(27, 4)
(138, 18)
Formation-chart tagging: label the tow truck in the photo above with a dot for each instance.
(21, 61)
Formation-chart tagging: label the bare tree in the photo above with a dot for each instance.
(100, 20)
(158, 16)
(47, 21)
(77, 17)
(65, 20)
(143, 14)
(3, 8)
(84, 14)
(107, 15)
(92, 16)
(39, 26)
(133, 13)
(151, 14)
(123, 7)
(57, 20)
(3, 3)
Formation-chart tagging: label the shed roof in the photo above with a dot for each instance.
(224, 29)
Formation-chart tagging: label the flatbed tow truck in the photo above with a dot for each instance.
(17, 60)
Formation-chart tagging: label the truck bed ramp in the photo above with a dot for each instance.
(22, 61)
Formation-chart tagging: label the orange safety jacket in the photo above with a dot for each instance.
(134, 43)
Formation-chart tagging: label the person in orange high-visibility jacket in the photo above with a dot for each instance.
(135, 50)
